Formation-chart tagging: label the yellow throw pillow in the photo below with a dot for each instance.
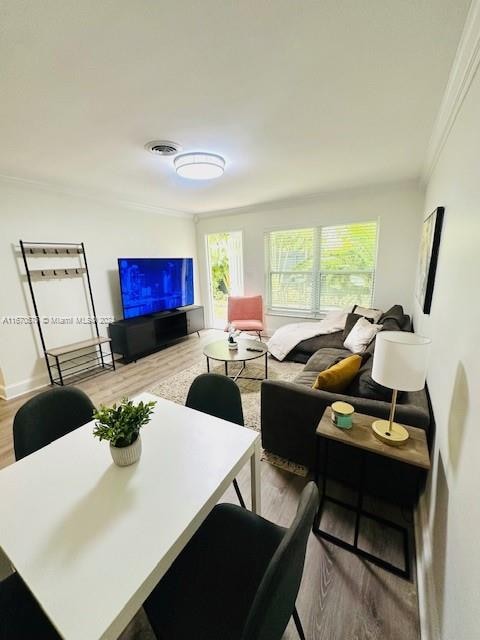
(337, 378)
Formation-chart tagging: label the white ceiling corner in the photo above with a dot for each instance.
(299, 97)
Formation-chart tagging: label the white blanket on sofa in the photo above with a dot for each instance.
(286, 338)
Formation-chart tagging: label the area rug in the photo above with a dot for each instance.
(176, 387)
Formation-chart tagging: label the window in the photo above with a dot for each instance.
(225, 273)
(317, 269)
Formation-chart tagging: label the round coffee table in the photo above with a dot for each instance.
(248, 349)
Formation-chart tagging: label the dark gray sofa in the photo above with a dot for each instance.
(290, 412)
(394, 318)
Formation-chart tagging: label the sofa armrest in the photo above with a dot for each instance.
(405, 413)
(290, 414)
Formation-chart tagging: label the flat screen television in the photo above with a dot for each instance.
(149, 285)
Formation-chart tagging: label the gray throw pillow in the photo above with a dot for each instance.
(396, 319)
(395, 312)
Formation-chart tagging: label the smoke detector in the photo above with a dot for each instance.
(163, 147)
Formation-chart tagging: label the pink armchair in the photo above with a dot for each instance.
(245, 313)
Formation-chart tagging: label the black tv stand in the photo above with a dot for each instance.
(138, 337)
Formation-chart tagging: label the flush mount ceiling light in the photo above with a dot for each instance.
(199, 166)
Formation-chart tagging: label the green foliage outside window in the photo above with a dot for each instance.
(220, 274)
(322, 268)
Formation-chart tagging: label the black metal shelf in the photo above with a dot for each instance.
(54, 357)
(87, 372)
(87, 358)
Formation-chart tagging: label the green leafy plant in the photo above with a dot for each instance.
(121, 424)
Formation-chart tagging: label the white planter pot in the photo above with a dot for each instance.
(124, 456)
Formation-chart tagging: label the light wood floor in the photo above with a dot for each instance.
(341, 597)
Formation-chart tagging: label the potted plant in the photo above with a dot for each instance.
(121, 425)
(232, 337)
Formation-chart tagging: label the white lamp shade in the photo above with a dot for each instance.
(400, 360)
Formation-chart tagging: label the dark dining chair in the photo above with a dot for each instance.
(237, 579)
(21, 617)
(48, 416)
(218, 396)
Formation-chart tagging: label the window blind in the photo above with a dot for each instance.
(313, 270)
(291, 274)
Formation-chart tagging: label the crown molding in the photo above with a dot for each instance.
(462, 73)
(104, 199)
(283, 203)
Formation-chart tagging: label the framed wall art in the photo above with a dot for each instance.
(429, 248)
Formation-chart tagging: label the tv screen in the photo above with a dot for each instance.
(149, 285)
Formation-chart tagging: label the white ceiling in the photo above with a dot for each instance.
(300, 96)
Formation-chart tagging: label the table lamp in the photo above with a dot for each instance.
(399, 363)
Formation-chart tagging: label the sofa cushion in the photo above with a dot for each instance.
(337, 377)
(324, 358)
(247, 325)
(364, 386)
(306, 378)
(368, 388)
(321, 360)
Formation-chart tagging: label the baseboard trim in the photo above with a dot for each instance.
(11, 391)
(427, 608)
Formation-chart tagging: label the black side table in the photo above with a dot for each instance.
(414, 452)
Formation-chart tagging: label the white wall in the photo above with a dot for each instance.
(397, 208)
(108, 230)
(450, 509)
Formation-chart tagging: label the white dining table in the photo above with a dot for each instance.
(90, 539)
